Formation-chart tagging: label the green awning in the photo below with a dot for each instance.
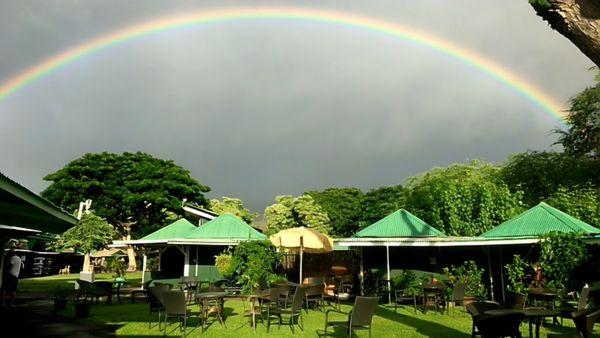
(539, 221)
(176, 230)
(226, 226)
(400, 223)
(21, 207)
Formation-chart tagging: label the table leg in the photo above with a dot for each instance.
(530, 327)
(253, 314)
(538, 323)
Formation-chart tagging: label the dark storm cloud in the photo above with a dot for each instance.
(257, 109)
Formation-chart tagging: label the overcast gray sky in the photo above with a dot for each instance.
(260, 108)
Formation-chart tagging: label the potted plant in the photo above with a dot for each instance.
(60, 299)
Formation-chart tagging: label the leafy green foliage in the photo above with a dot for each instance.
(406, 280)
(253, 262)
(580, 202)
(92, 233)
(223, 263)
(539, 173)
(560, 255)
(343, 207)
(517, 271)
(125, 188)
(115, 265)
(583, 119)
(462, 199)
(380, 202)
(234, 206)
(471, 275)
(540, 4)
(291, 212)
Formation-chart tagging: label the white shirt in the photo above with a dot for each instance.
(15, 265)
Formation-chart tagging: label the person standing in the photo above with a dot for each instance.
(11, 278)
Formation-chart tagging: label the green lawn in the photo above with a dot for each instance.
(131, 320)
(49, 284)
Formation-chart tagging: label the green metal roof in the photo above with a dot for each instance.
(226, 226)
(21, 207)
(539, 221)
(178, 229)
(400, 223)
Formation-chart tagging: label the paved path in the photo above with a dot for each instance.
(32, 317)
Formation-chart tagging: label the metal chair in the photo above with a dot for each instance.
(155, 302)
(514, 300)
(294, 312)
(402, 297)
(360, 318)
(175, 307)
(499, 326)
(315, 289)
(584, 321)
(567, 310)
(477, 311)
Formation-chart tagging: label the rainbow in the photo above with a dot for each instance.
(493, 70)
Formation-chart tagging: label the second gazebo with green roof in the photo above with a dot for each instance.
(228, 227)
(400, 223)
(538, 222)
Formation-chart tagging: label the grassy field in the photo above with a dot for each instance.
(49, 284)
(131, 320)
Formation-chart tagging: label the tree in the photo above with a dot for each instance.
(380, 202)
(577, 20)
(583, 120)
(343, 207)
(92, 233)
(235, 206)
(538, 174)
(580, 202)
(127, 189)
(291, 212)
(462, 199)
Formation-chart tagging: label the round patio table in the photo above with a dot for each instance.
(432, 296)
(204, 297)
(534, 317)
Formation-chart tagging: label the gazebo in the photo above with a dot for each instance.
(196, 245)
(538, 222)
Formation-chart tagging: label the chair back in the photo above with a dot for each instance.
(477, 309)
(583, 298)
(363, 310)
(275, 293)
(458, 291)
(155, 294)
(164, 285)
(514, 300)
(174, 302)
(500, 326)
(298, 298)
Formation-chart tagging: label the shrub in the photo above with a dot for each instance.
(560, 254)
(223, 263)
(255, 261)
(406, 280)
(471, 275)
(516, 271)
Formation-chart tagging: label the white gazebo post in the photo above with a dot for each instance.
(186, 267)
(389, 283)
(361, 275)
(144, 263)
(196, 266)
(301, 254)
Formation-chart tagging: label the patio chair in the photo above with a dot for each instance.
(315, 289)
(154, 302)
(402, 297)
(294, 313)
(566, 310)
(175, 307)
(143, 290)
(514, 300)
(457, 296)
(584, 321)
(499, 326)
(360, 318)
(336, 292)
(477, 311)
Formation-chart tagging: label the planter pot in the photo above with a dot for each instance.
(60, 304)
(82, 310)
(468, 300)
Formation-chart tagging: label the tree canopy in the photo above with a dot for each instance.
(128, 188)
(343, 207)
(380, 202)
(289, 212)
(462, 199)
(235, 206)
(92, 233)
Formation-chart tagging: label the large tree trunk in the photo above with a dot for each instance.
(86, 263)
(131, 265)
(577, 20)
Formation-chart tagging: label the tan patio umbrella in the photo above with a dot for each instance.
(302, 239)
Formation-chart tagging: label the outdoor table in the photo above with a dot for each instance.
(118, 283)
(255, 297)
(432, 295)
(534, 316)
(542, 295)
(232, 290)
(190, 287)
(204, 298)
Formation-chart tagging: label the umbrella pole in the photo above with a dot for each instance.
(301, 258)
